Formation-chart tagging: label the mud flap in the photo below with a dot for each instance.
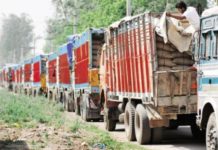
(155, 119)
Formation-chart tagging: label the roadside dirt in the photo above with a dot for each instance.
(50, 138)
(41, 137)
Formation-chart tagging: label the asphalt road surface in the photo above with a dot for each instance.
(180, 139)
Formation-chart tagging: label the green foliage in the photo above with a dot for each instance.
(20, 110)
(17, 34)
(101, 13)
(102, 137)
(76, 125)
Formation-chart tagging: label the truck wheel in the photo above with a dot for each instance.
(156, 135)
(77, 107)
(142, 129)
(110, 124)
(70, 106)
(211, 133)
(196, 132)
(84, 108)
(67, 102)
(129, 119)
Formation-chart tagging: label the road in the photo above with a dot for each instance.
(180, 139)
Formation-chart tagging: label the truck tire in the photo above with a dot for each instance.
(64, 100)
(156, 135)
(142, 129)
(211, 133)
(84, 108)
(110, 124)
(70, 106)
(196, 132)
(77, 107)
(129, 119)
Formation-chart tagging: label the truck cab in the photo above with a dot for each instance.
(207, 68)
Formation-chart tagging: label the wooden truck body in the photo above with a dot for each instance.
(143, 81)
(86, 70)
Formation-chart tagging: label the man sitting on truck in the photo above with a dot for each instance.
(188, 13)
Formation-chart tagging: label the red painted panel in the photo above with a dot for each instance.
(129, 58)
(81, 63)
(21, 74)
(27, 72)
(64, 70)
(36, 72)
(52, 71)
(17, 74)
(12, 75)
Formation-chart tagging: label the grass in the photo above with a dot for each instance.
(100, 137)
(23, 111)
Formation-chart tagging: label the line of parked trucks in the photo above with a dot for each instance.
(123, 74)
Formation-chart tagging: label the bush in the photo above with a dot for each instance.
(22, 110)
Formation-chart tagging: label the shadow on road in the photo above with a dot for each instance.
(13, 145)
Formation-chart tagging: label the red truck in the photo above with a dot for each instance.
(148, 83)
(1, 77)
(64, 82)
(38, 69)
(86, 71)
(27, 73)
(17, 79)
(8, 74)
(52, 76)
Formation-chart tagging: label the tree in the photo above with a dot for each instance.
(101, 13)
(17, 35)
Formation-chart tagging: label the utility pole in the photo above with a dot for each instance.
(128, 8)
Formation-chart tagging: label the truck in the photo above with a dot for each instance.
(38, 69)
(65, 89)
(149, 84)
(51, 77)
(87, 102)
(27, 77)
(17, 79)
(8, 73)
(1, 77)
(207, 68)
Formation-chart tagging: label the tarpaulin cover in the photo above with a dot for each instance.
(70, 46)
(173, 31)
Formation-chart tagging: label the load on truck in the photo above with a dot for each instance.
(86, 69)
(52, 76)
(207, 67)
(27, 75)
(150, 83)
(39, 75)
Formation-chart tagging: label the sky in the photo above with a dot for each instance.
(38, 10)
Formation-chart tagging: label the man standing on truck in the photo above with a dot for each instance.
(188, 13)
